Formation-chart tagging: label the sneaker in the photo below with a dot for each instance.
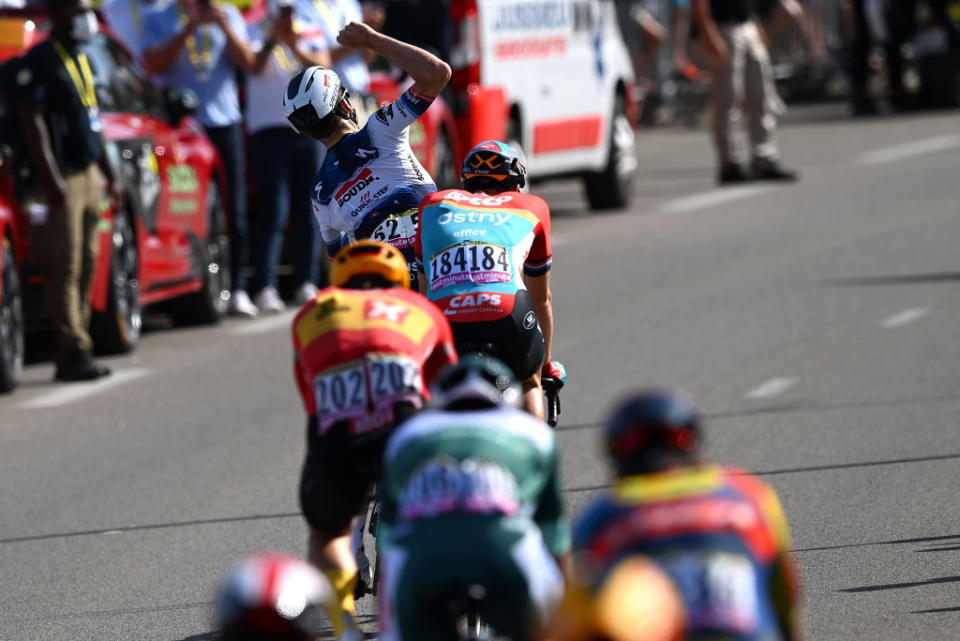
(732, 173)
(771, 169)
(79, 366)
(268, 301)
(241, 305)
(305, 293)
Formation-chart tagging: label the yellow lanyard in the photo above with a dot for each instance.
(135, 15)
(280, 50)
(335, 21)
(202, 56)
(82, 77)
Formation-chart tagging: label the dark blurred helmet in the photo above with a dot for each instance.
(273, 597)
(651, 430)
(475, 382)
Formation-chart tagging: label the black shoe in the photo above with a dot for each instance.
(768, 169)
(864, 107)
(732, 173)
(79, 366)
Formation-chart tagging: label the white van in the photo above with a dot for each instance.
(554, 77)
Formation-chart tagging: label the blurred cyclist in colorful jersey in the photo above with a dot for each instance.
(370, 182)
(365, 350)
(471, 504)
(484, 258)
(718, 532)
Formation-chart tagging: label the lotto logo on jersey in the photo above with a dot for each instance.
(353, 187)
(488, 201)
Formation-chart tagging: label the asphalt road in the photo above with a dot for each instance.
(812, 322)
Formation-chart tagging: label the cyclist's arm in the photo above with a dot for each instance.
(785, 586)
(430, 73)
(444, 352)
(536, 271)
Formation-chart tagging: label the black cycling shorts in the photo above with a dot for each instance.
(339, 472)
(516, 337)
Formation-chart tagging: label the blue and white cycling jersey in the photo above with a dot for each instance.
(371, 184)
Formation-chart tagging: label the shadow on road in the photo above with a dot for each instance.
(896, 279)
(813, 468)
(152, 526)
(900, 586)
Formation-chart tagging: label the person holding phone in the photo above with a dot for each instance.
(201, 45)
(284, 163)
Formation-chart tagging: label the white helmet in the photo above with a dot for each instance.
(315, 101)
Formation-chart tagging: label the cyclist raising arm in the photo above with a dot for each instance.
(370, 183)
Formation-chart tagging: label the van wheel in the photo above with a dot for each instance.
(116, 329)
(11, 320)
(444, 171)
(612, 188)
(208, 305)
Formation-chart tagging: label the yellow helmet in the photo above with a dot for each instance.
(370, 258)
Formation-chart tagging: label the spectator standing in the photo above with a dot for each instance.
(57, 106)
(126, 19)
(202, 45)
(349, 63)
(742, 75)
(284, 163)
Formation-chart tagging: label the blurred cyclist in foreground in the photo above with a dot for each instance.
(365, 350)
(719, 532)
(272, 597)
(370, 183)
(484, 258)
(471, 505)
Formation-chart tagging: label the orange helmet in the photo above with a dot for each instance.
(370, 258)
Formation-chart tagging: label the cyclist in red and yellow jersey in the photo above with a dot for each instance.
(365, 350)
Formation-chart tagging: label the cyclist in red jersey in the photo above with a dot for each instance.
(484, 257)
(365, 351)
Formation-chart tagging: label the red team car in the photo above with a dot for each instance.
(169, 246)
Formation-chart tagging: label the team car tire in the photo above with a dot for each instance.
(116, 329)
(208, 305)
(612, 188)
(11, 320)
(444, 169)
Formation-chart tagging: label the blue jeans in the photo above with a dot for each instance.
(285, 165)
(229, 142)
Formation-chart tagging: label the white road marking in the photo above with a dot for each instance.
(264, 325)
(73, 392)
(905, 317)
(710, 198)
(909, 150)
(771, 388)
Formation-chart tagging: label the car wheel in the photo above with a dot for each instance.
(116, 329)
(208, 305)
(444, 170)
(612, 188)
(11, 320)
